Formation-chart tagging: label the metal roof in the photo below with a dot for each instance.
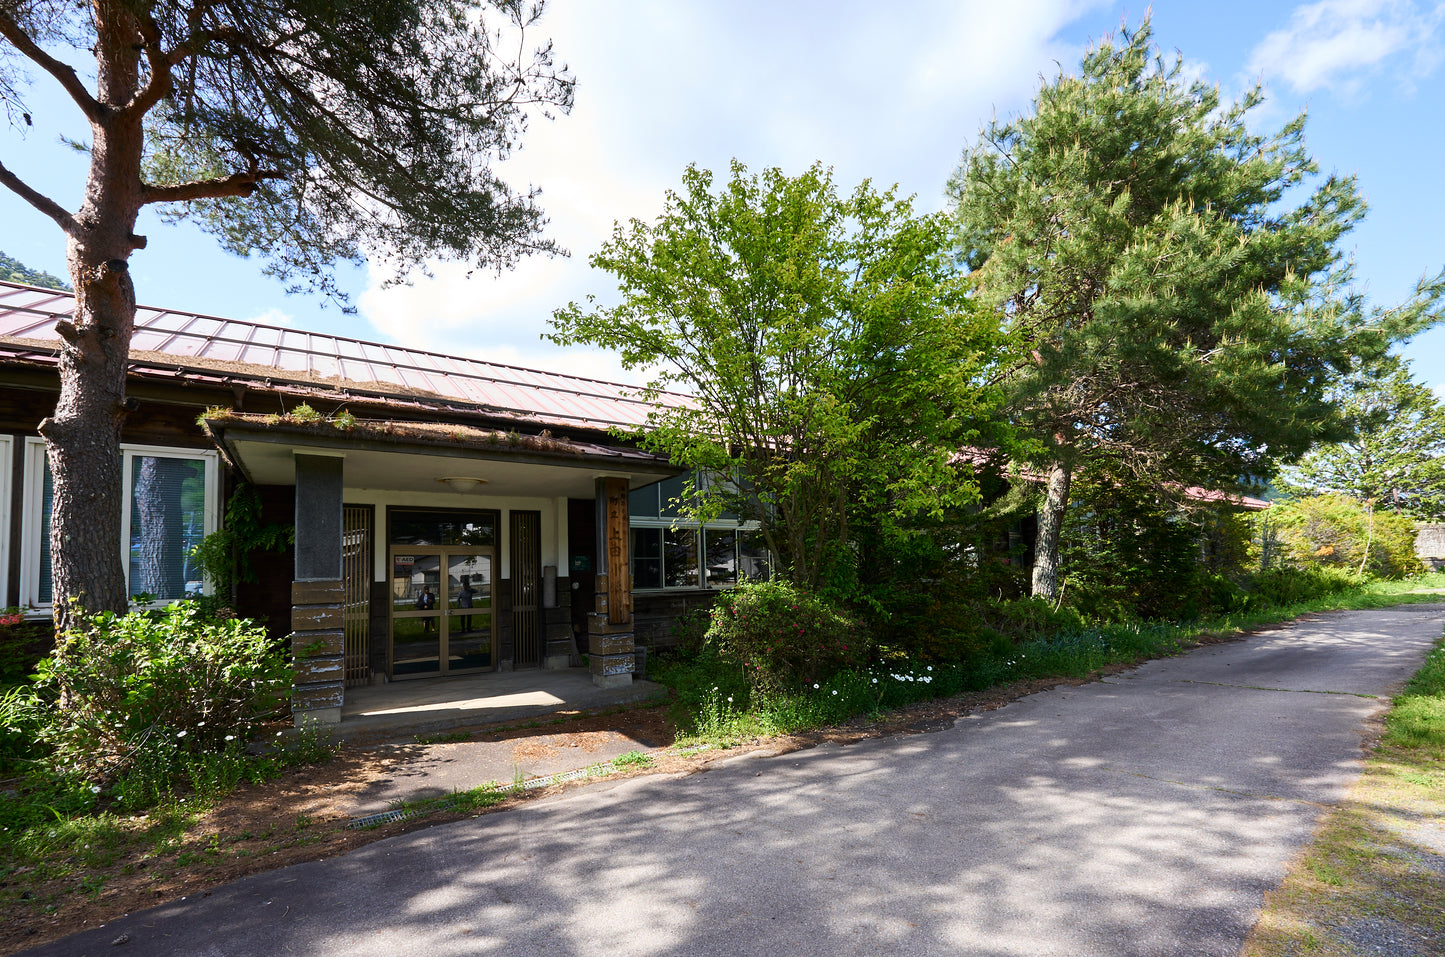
(190, 345)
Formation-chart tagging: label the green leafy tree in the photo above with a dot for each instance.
(1342, 532)
(1175, 314)
(310, 132)
(1396, 458)
(16, 271)
(830, 349)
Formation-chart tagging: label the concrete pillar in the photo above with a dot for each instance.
(318, 637)
(609, 625)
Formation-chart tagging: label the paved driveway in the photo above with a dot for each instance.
(1143, 814)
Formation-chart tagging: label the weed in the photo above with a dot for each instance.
(632, 759)
(447, 738)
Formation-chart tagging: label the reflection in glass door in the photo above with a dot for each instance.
(469, 611)
(441, 623)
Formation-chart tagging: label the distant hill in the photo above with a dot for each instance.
(12, 270)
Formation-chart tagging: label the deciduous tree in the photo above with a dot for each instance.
(829, 347)
(310, 132)
(1396, 457)
(1177, 309)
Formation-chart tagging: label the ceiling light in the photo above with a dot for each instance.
(463, 483)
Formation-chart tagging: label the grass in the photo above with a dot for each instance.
(1373, 873)
(56, 830)
(714, 704)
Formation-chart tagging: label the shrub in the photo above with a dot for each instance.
(1289, 586)
(23, 642)
(152, 688)
(785, 638)
(1343, 532)
(22, 715)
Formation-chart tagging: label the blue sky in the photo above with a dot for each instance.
(889, 92)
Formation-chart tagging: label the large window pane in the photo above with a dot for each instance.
(47, 503)
(442, 527)
(647, 558)
(680, 558)
(167, 520)
(720, 545)
(642, 503)
(753, 564)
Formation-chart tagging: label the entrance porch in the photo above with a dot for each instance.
(406, 708)
(435, 554)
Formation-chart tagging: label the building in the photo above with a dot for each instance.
(451, 515)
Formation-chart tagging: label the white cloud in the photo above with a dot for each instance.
(273, 317)
(662, 84)
(1338, 44)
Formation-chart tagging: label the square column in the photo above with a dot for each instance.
(609, 625)
(318, 636)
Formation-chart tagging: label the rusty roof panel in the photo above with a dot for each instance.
(165, 339)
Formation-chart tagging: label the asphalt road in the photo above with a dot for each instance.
(1143, 814)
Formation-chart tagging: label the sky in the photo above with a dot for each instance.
(888, 92)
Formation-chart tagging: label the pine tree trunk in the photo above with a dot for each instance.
(83, 444)
(83, 435)
(1051, 523)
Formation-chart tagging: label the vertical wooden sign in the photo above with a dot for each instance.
(619, 565)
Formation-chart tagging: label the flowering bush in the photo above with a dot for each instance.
(156, 684)
(784, 638)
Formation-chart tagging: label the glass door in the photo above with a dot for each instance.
(469, 611)
(441, 611)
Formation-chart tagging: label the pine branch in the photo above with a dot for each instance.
(237, 184)
(63, 73)
(40, 201)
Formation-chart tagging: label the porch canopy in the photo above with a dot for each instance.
(429, 457)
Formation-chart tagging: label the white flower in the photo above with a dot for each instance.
(180, 734)
(230, 737)
(730, 699)
(835, 692)
(815, 686)
(875, 681)
(930, 667)
(95, 789)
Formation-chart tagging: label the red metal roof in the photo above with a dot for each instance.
(209, 347)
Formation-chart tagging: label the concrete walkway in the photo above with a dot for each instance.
(403, 708)
(1141, 815)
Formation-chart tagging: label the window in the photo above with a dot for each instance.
(668, 552)
(169, 503)
(7, 451)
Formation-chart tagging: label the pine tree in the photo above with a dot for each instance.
(1176, 316)
(309, 132)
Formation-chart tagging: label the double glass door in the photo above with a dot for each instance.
(441, 611)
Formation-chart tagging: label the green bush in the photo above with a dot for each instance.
(1342, 532)
(784, 638)
(1287, 585)
(149, 689)
(22, 714)
(23, 642)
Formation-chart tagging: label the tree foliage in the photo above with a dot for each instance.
(13, 270)
(309, 132)
(1337, 531)
(1177, 312)
(830, 351)
(1396, 457)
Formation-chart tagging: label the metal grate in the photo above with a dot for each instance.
(526, 586)
(356, 582)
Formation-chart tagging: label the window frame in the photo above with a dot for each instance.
(7, 469)
(34, 497)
